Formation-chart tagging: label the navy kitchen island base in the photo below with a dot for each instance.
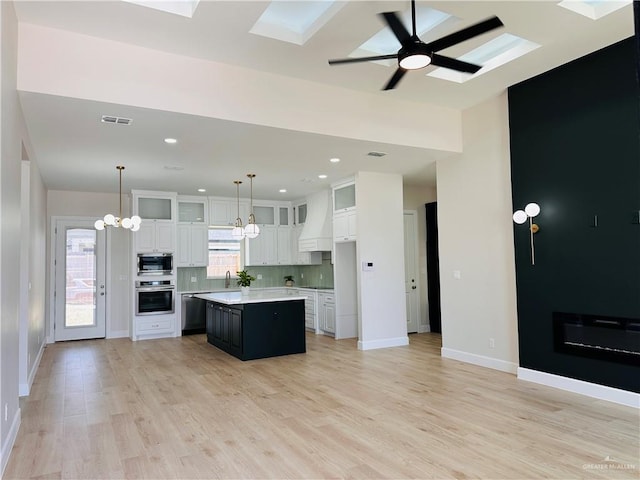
(257, 330)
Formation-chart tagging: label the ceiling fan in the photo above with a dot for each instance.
(415, 54)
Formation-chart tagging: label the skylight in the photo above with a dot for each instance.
(295, 22)
(593, 9)
(494, 53)
(185, 8)
(385, 42)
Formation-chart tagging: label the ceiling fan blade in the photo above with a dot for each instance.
(363, 59)
(453, 64)
(397, 27)
(395, 79)
(465, 34)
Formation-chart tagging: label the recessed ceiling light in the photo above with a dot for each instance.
(170, 140)
(323, 176)
(202, 190)
(283, 190)
(334, 160)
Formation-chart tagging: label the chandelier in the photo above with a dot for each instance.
(110, 220)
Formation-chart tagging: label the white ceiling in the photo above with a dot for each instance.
(68, 151)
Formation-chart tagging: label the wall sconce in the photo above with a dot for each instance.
(521, 216)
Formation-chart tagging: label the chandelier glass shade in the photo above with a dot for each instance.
(110, 220)
(238, 231)
(251, 230)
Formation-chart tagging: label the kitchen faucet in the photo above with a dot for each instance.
(227, 279)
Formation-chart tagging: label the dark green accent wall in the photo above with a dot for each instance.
(575, 150)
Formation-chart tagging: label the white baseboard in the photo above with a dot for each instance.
(384, 343)
(594, 390)
(25, 388)
(118, 334)
(9, 442)
(480, 360)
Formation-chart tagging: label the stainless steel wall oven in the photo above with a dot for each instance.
(155, 297)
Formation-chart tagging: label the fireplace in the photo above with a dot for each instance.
(595, 336)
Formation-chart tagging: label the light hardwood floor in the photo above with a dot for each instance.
(180, 408)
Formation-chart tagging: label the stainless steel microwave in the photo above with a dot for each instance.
(155, 263)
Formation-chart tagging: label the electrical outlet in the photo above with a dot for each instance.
(492, 343)
(302, 275)
(194, 279)
(320, 276)
(259, 276)
(456, 274)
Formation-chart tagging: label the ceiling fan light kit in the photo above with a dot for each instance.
(415, 57)
(415, 54)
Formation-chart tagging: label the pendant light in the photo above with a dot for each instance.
(238, 231)
(110, 220)
(251, 230)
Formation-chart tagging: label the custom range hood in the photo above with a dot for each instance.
(317, 232)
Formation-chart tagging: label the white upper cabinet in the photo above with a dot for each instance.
(224, 211)
(299, 213)
(344, 226)
(265, 214)
(262, 250)
(193, 245)
(344, 197)
(158, 228)
(283, 216)
(159, 206)
(193, 210)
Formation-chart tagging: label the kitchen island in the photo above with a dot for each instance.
(258, 325)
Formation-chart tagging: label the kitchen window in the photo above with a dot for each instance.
(225, 253)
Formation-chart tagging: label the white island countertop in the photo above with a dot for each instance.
(236, 298)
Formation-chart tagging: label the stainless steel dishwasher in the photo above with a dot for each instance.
(193, 314)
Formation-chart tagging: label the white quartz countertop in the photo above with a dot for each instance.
(259, 296)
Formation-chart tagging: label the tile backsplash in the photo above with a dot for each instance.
(272, 276)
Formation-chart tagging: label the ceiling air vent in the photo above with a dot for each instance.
(376, 154)
(116, 120)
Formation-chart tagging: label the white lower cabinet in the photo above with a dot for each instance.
(327, 312)
(310, 318)
(153, 326)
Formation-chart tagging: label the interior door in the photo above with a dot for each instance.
(79, 307)
(411, 271)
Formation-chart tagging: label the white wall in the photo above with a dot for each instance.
(32, 273)
(380, 233)
(11, 132)
(476, 238)
(414, 198)
(96, 205)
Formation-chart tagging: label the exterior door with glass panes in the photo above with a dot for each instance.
(80, 291)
